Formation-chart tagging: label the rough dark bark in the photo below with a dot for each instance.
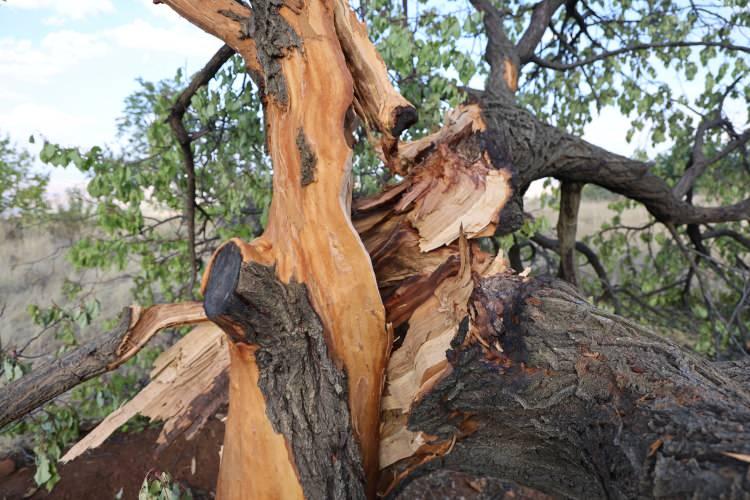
(305, 393)
(45, 383)
(537, 150)
(567, 226)
(577, 402)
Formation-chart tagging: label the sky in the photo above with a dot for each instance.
(66, 67)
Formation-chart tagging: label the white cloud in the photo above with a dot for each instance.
(182, 39)
(67, 9)
(46, 122)
(53, 21)
(20, 59)
(59, 51)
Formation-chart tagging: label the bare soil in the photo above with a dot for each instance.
(122, 463)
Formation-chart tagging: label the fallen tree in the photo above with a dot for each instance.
(375, 348)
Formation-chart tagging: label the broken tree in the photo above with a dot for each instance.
(374, 348)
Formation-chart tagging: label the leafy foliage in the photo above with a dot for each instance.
(161, 487)
(21, 190)
(595, 55)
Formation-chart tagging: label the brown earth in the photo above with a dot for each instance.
(125, 459)
(122, 463)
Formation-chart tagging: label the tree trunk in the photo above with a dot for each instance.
(485, 375)
(315, 67)
(546, 390)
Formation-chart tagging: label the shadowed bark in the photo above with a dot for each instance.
(491, 377)
(567, 225)
(577, 402)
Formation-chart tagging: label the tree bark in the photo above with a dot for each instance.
(485, 375)
(567, 226)
(573, 401)
(100, 355)
(316, 68)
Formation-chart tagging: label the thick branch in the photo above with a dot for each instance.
(375, 99)
(500, 53)
(228, 20)
(539, 150)
(540, 18)
(103, 354)
(546, 390)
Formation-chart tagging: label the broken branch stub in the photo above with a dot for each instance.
(304, 393)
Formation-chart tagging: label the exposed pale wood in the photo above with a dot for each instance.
(375, 99)
(450, 193)
(181, 376)
(102, 354)
(459, 122)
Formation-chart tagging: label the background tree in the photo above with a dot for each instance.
(571, 58)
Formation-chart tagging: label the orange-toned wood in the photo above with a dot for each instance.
(255, 463)
(309, 237)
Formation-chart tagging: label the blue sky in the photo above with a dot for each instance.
(66, 67)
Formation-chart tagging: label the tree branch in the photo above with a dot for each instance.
(545, 63)
(632, 48)
(500, 53)
(724, 232)
(538, 150)
(200, 79)
(540, 18)
(567, 224)
(699, 162)
(102, 354)
(227, 20)
(591, 257)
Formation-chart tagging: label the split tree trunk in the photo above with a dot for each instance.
(316, 68)
(491, 375)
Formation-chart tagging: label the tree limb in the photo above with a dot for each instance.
(725, 232)
(200, 79)
(699, 162)
(591, 257)
(632, 48)
(102, 354)
(538, 150)
(500, 53)
(567, 224)
(540, 18)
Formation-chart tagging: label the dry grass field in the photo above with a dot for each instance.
(34, 270)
